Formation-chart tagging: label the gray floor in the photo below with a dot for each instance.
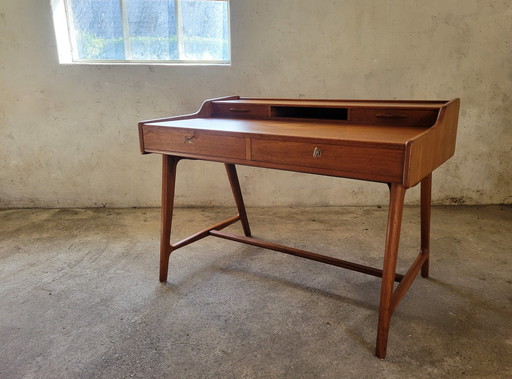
(79, 296)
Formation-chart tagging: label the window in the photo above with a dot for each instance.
(145, 31)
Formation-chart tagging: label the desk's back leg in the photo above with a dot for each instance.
(168, 184)
(237, 194)
(396, 204)
(426, 199)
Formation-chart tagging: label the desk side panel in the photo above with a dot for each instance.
(433, 147)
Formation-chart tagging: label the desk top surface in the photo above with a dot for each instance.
(381, 134)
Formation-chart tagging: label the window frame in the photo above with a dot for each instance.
(67, 49)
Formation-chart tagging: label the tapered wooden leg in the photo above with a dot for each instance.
(396, 203)
(168, 184)
(237, 194)
(426, 199)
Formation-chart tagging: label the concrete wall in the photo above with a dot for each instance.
(68, 132)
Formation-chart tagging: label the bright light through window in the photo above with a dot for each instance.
(161, 31)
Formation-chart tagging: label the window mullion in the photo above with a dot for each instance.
(179, 29)
(126, 31)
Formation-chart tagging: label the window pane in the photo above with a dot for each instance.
(205, 30)
(152, 26)
(144, 30)
(98, 29)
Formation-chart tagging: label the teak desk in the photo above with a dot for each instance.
(395, 142)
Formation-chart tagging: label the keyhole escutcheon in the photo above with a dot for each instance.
(317, 152)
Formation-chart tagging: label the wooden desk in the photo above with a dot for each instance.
(398, 143)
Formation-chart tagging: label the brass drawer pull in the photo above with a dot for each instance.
(317, 152)
(187, 139)
(239, 110)
(391, 115)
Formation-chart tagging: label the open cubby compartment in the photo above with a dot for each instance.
(318, 113)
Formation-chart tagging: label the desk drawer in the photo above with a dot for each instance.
(383, 163)
(240, 110)
(394, 116)
(163, 139)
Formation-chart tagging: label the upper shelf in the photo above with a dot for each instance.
(428, 104)
(398, 113)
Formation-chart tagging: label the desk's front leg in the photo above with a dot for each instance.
(426, 200)
(168, 184)
(396, 205)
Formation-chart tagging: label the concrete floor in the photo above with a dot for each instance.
(79, 296)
